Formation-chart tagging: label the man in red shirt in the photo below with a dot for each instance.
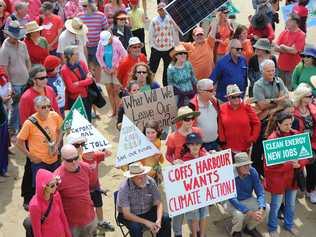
(74, 190)
(53, 26)
(290, 44)
(134, 56)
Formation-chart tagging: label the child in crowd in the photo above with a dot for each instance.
(137, 21)
(197, 219)
(93, 159)
(54, 80)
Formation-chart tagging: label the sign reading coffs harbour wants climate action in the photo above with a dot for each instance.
(283, 149)
(199, 182)
(158, 105)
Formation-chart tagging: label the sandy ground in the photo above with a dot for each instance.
(12, 212)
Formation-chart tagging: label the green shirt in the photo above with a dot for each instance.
(303, 74)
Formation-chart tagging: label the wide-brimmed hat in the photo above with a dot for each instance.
(178, 49)
(133, 41)
(185, 112)
(14, 30)
(263, 44)
(193, 138)
(259, 21)
(74, 138)
(76, 26)
(32, 26)
(105, 37)
(136, 169)
(309, 51)
(232, 89)
(242, 159)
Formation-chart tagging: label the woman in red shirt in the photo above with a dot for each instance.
(77, 78)
(280, 179)
(260, 28)
(37, 46)
(239, 124)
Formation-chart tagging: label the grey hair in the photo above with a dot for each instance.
(69, 51)
(41, 100)
(265, 63)
(204, 83)
(234, 41)
(300, 92)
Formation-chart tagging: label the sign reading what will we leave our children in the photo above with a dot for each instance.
(290, 148)
(199, 182)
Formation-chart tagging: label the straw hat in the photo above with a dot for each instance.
(136, 169)
(178, 49)
(242, 159)
(232, 90)
(184, 112)
(14, 30)
(32, 26)
(76, 26)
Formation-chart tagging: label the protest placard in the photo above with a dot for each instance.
(199, 182)
(283, 149)
(95, 140)
(158, 105)
(79, 106)
(133, 145)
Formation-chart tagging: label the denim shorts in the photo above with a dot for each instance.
(197, 214)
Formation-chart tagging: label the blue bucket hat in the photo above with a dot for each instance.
(309, 51)
(14, 30)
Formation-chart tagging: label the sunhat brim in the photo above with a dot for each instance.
(129, 175)
(235, 93)
(18, 37)
(82, 31)
(243, 163)
(40, 28)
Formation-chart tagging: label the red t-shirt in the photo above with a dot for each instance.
(302, 11)
(98, 156)
(75, 194)
(36, 52)
(53, 24)
(287, 62)
(126, 66)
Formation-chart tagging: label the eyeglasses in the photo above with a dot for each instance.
(121, 19)
(141, 72)
(41, 78)
(210, 91)
(235, 97)
(46, 107)
(72, 159)
(309, 96)
(77, 145)
(200, 34)
(135, 47)
(53, 185)
(238, 49)
(188, 119)
(84, 6)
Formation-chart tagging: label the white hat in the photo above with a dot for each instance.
(134, 40)
(242, 159)
(105, 37)
(74, 138)
(136, 169)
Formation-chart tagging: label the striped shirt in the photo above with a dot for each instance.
(95, 23)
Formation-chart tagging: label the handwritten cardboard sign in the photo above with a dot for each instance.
(158, 105)
(95, 140)
(133, 145)
(199, 182)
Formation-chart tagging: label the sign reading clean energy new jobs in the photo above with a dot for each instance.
(283, 149)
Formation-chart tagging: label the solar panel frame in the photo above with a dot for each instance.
(186, 14)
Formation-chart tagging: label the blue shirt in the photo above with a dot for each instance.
(226, 72)
(245, 187)
(108, 55)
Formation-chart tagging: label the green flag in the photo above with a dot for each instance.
(79, 106)
(232, 9)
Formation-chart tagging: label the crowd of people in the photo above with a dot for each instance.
(235, 86)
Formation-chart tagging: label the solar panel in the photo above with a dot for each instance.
(188, 13)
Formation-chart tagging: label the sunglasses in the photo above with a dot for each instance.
(41, 78)
(188, 119)
(46, 107)
(121, 19)
(210, 91)
(77, 145)
(72, 160)
(141, 72)
(307, 56)
(84, 6)
(199, 35)
(182, 53)
(135, 47)
(239, 49)
(309, 96)
(53, 185)
(235, 97)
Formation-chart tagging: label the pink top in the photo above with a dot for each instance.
(56, 223)
(75, 194)
(119, 52)
(34, 8)
(71, 9)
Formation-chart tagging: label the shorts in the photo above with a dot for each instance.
(107, 78)
(92, 58)
(197, 214)
(96, 197)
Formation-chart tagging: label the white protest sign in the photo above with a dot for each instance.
(158, 105)
(95, 140)
(199, 182)
(133, 144)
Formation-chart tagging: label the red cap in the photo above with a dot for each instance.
(133, 2)
(51, 62)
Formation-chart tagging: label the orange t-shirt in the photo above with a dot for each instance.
(201, 57)
(37, 142)
(247, 49)
(225, 33)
